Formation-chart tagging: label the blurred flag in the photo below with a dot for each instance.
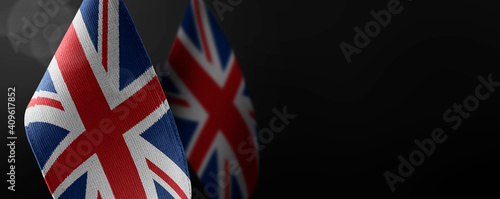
(98, 123)
(212, 107)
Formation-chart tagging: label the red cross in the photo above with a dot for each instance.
(219, 103)
(93, 109)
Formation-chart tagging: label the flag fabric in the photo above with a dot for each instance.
(99, 123)
(211, 106)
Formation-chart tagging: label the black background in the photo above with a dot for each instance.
(353, 121)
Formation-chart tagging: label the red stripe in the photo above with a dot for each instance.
(252, 114)
(105, 34)
(177, 101)
(202, 31)
(167, 179)
(43, 101)
(93, 109)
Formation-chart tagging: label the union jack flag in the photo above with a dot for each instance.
(212, 106)
(99, 123)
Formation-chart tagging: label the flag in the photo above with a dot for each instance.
(212, 106)
(99, 123)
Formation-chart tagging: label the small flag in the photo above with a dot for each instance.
(212, 106)
(99, 123)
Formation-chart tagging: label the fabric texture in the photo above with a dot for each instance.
(99, 123)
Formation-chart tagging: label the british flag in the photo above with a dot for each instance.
(212, 106)
(99, 123)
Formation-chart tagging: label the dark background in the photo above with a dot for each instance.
(353, 121)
